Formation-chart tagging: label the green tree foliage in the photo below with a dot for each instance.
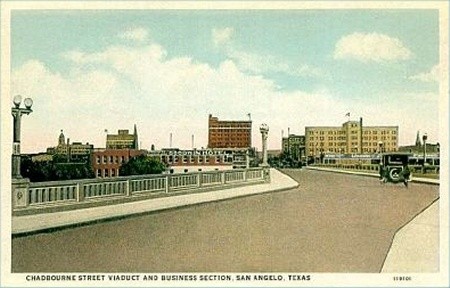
(141, 165)
(51, 171)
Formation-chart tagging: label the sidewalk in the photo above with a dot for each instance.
(39, 222)
(415, 247)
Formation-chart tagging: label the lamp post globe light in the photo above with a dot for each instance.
(17, 113)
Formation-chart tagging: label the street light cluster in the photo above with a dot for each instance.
(17, 113)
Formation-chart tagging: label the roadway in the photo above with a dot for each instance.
(330, 223)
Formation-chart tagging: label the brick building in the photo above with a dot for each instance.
(202, 157)
(107, 162)
(229, 134)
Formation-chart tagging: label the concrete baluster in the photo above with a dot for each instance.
(199, 179)
(128, 188)
(78, 191)
(167, 183)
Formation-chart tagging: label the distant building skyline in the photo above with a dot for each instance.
(71, 150)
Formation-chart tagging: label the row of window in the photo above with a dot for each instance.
(341, 132)
(343, 138)
(352, 144)
(343, 150)
(382, 132)
(195, 159)
(107, 172)
(111, 159)
(330, 132)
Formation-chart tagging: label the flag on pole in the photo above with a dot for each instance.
(348, 114)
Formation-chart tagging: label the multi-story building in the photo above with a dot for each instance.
(202, 157)
(350, 138)
(73, 151)
(107, 162)
(122, 140)
(294, 146)
(229, 134)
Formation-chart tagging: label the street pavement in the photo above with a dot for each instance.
(330, 223)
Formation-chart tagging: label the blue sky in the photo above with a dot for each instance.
(166, 70)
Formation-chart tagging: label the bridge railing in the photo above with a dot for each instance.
(375, 168)
(36, 194)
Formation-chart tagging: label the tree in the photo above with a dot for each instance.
(141, 165)
(52, 171)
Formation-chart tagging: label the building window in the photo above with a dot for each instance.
(106, 173)
(99, 173)
(105, 159)
(113, 172)
(98, 159)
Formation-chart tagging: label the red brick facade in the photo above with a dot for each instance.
(107, 162)
(229, 134)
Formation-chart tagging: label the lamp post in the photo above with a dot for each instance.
(380, 145)
(264, 129)
(424, 138)
(17, 113)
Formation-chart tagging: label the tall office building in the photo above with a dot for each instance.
(293, 145)
(229, 134)
(350, 138)
(122, 140)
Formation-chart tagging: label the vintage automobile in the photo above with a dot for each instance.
(394, 168)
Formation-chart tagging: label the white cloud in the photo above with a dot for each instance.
(222, 36)
(430, 76)
(262, 64)
(119, 86)
(135, 34)
(367, 47)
